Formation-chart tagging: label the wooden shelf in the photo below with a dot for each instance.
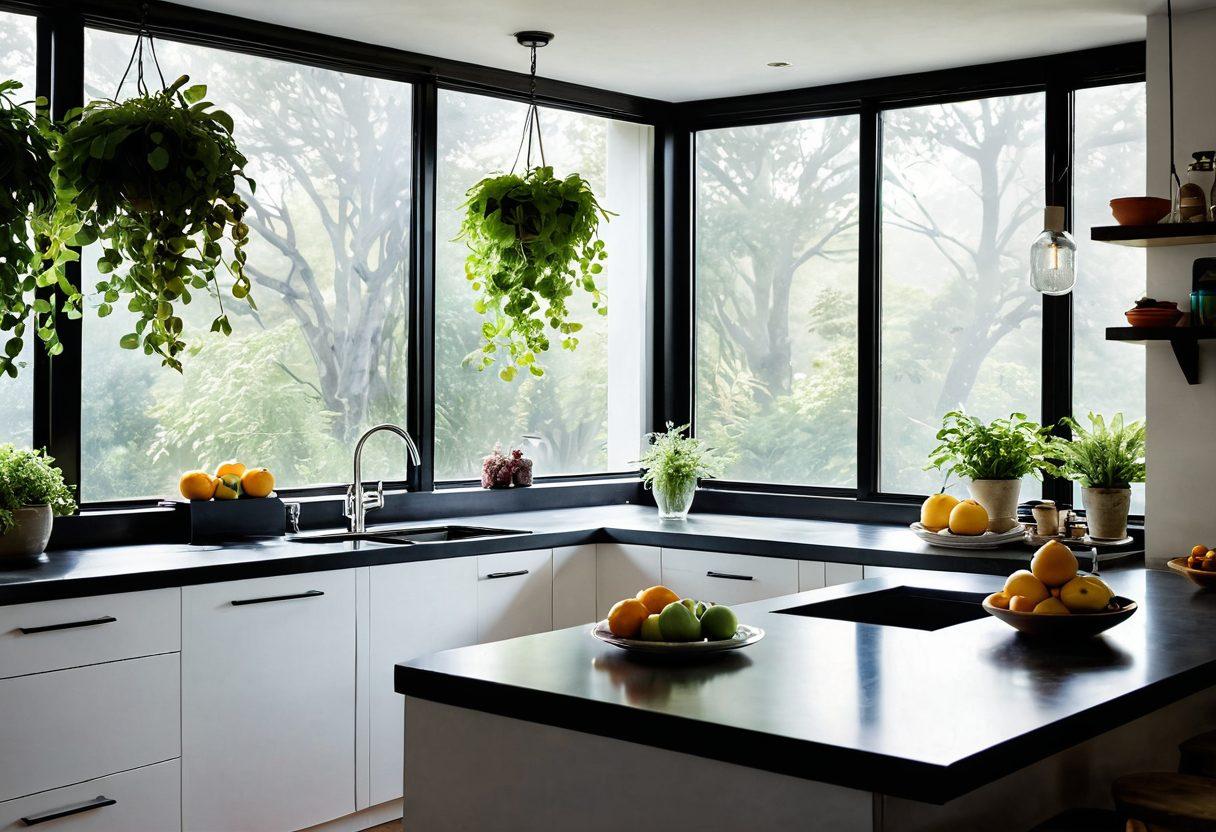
(1183, 339)
(1151, 236)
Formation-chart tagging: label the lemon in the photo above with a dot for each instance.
(935, 511)
(228, 487)
(197, 485)
(969, 518)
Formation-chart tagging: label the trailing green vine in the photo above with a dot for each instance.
(532, 242)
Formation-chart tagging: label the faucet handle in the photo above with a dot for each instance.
(375, 499)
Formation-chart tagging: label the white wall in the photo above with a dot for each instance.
(1181, 495)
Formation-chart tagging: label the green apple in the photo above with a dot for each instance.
(719, 623)
(650, 628)
(677, 623)
(702, 606)
(691, 604)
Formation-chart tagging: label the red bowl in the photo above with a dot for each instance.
(1153, 316)
(1139, 210)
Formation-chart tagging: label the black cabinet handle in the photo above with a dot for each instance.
(312, 593)
(68, 625)
(514, 574)
(56, 814)
(729, 576)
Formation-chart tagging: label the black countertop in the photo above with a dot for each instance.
(923, 715)
(71, 573)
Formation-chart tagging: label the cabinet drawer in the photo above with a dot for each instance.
(514, 594)
(144, 800)
(842, 573)
(86, 722)
(52, 635)
(726, 578)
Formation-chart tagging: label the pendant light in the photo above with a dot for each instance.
(1053, 255)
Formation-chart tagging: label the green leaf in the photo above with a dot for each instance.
(158, 159)
(194, 93)
(129, 341)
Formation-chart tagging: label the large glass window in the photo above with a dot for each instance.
(586, 414)
(776, 299)
(324, 355)
(962, 200)
(17, 63)
(1110, 158)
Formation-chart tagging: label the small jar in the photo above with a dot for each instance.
(1047, 516)
(1197, 187)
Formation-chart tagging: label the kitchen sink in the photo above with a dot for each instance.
(911, 607)
(410, 534)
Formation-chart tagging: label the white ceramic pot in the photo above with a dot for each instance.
(29, 535)
(1000, 499)
(1106, 512)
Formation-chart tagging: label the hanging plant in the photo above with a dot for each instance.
(533, 241)
(28, 256)
(154, 179)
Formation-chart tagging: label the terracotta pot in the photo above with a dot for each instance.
(1000, 499)
(1106, 512)
(1139, 210)
(30, 534)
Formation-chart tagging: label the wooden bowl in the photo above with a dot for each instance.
(1199, 577)
(1139, 210)
(1155, 316)
(1076, 625)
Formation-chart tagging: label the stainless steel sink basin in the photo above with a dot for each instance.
(409, 534)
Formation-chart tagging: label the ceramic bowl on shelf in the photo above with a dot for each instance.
(1199, 577)
(1075, 625)
(1154, 316)
(1139, 210)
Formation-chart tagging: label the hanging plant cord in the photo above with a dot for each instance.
(531, 120)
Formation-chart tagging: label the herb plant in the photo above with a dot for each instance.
(1105, 456)
(532, 242)
(154, 178)
(28, 478)
(1003, 449)
(674, 462)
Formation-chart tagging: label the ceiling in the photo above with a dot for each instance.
(679, 50)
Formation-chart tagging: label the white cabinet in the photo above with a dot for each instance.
(140, 800)
(514, 594)
(811, 575)
(842, 573)
(728, 578)
(622, 570)
(268, 702)
(923, 577)
(416, 608)
(573, 586)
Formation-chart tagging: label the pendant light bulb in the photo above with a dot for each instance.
(1053, 257)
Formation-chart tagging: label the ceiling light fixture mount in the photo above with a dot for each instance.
(778, 64)
(531, 39)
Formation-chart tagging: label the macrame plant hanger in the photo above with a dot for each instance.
(137, 58)
(531, 40)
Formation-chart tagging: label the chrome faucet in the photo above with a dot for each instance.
(357, 501)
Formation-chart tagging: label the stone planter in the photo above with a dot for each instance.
(28, 537)
(1000, 499)
(1106, 512)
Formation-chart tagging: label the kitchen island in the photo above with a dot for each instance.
(824, 724)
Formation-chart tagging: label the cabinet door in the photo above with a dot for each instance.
(268, 702)
(842, 573)
(622, 570)
(726, 578)
(416, 608)
(139, 800)
(573, 586)
(811, 575)
(514, 594)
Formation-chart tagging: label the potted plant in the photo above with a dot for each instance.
(32, 493)
(532, 243)
(154, 179)
(993, 457)
(1105, 460)
(671, 465)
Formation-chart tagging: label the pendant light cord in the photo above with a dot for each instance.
(137, 57)
(531, 124)
(1169, 17)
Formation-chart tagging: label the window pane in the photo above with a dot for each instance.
(17, 63)
(586, 413)
(776, 299)
(962, 200)
(1110, 161)
(323, 357)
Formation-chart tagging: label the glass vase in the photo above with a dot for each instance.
(674, 499)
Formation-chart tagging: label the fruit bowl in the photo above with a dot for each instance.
(743, 636)
(1076, 625)
(1199, 577)
(1139, 210)
(987, 540)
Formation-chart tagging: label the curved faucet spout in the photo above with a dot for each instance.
(357, 502)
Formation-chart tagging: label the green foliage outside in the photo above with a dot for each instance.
(30, 478)
(1106, 455)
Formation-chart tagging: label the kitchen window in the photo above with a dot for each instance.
(324, 355)
(587, 413)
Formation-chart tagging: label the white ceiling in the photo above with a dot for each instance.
(679, 50)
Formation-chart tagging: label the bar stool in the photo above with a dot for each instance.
(1082, 820)
(1166, 802)
(1198, 755)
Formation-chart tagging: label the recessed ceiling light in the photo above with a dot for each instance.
(778, 64)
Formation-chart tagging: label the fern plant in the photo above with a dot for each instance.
(1003, 449)
(1107, 455)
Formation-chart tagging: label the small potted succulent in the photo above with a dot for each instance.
(1104, 460)
(993, 457)
(671, 465)
(499, 470)
(32, 493)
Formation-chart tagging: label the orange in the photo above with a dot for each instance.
(999, 600)
(1199, 550)
(197, 485)
(968, 517)
(1027, 585)
(230, 467)
(935, 512)
(257, 482)
(1020, 603)
(626, 617)
(1054, 564)
(657, 597)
